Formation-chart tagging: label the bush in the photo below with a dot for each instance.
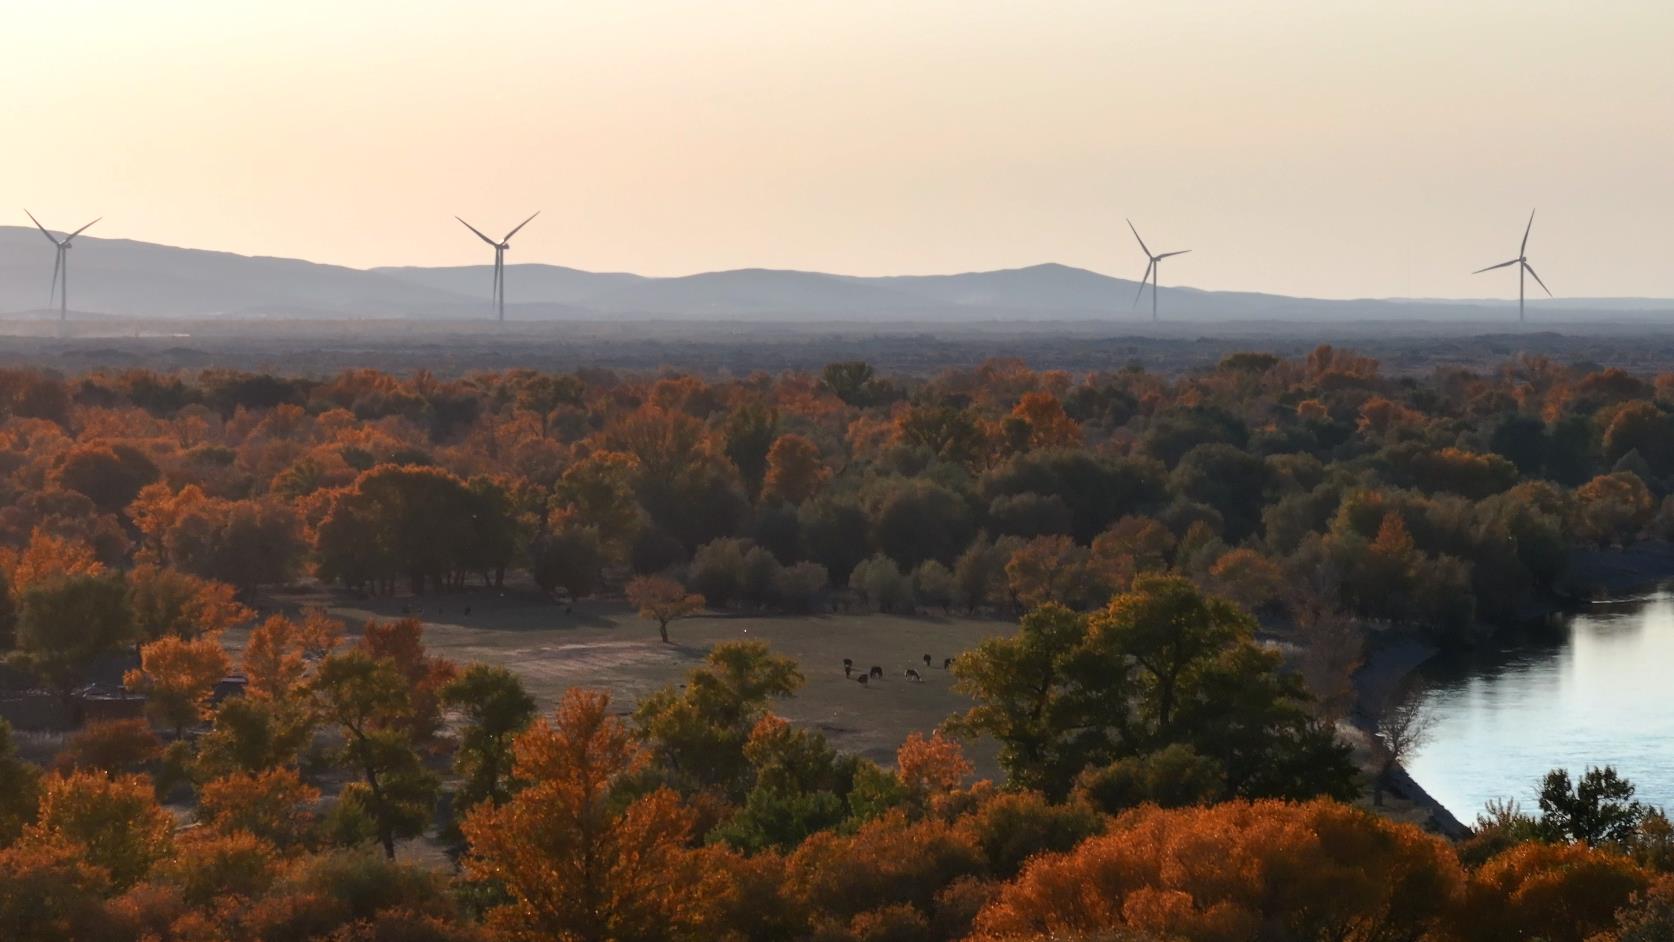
(934, 586)
(801, 588)
(883, 584)
(718, 571)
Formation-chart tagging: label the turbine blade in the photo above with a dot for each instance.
(1172, 254)
(1537, 278)
(1142, 279)
(80, 231)
(57, 263)
(1492, 267)
(520, 226)
(50, 237)
(1525, 249)
(1136, 236)
(478, 232)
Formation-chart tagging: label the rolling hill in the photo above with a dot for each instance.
(123, 278)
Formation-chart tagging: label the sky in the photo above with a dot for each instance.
(1331, 148)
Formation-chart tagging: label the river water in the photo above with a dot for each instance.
(1601, 692)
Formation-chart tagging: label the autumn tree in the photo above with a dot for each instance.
(1613, 507)
(1237, 870)
(1045, 423)
(795, 469)
(275, 805)
(401, 644)
(177, 678)
(52, 892)
(930, 766)
(575, 864)
(411, 523)
(111, 474)
(662, 600)
(1560, 892)
(116, 822)
(1048, 569)
(169, 602)
(279, 652)
(114, 747)
(48, 556)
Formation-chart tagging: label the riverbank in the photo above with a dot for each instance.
(1391, 658)
(1593, 574)
(1389, 662)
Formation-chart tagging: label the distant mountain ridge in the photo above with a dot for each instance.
(120, 277)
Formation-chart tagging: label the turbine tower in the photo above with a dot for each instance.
(1150, 272)
(60, 266)
(1522, 263)
(500, 248)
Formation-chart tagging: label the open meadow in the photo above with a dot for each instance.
(605, 645)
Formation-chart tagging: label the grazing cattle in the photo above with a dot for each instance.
(861, 680)
(848, 669)
(926, 660)
(947, 663)
(913, 675)
(876, 671)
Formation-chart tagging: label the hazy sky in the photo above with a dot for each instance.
(1332, 148)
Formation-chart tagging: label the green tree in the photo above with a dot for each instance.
(365, 697)
(67, 622)
(496, 708)
(747, 437)
(569, 559)
(1170, 631)
(1051, 701)
(698, 734)
(1600, 808)
(20, 788)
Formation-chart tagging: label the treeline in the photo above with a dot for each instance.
(1165, 781)
(1310, 485)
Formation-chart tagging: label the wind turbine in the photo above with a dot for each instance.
(1150, 271)
(60, 266)
(500, 248)
(1522, 261)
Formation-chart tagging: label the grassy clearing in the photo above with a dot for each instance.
(605, 645)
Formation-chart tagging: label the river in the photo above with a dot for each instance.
(1601, 692)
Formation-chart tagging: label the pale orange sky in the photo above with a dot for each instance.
(1331, 148)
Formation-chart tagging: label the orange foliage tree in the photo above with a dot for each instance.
(795, 470)
(279, 652)
(116, 822)
(177, 678)
(1238, 871)
(1555, 892)
(575, 864)
(662, 600)
(170, 602)
(931, 766)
